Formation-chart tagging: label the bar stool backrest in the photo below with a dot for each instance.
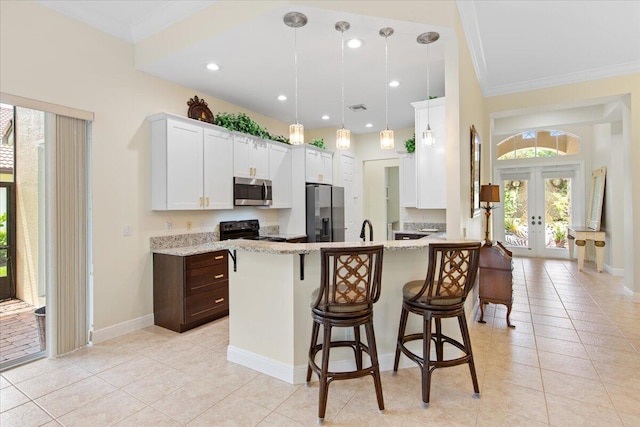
(350, 280)
(451, 273)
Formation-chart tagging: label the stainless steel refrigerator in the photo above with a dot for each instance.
(325, 213)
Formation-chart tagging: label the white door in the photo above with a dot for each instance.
(218, 170)
(184, 166)
(537, 204)
(312, 166)
(350, 199)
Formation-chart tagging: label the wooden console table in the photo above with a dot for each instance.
(580, 235)
(495, 278)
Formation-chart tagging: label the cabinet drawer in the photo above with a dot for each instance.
(205, 279)
(206, 304)
(203, 260)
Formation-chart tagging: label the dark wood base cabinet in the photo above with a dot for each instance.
(495, 278)
(189, 291)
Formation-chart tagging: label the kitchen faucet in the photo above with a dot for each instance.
(365, 223)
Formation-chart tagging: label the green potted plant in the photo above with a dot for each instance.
(559, 234)
(410, 144)
(318, 142)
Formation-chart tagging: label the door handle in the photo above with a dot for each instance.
(219, 300)
(200, 201)
(218, 276)
(207, 200)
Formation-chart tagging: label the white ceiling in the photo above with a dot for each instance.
(516, 46)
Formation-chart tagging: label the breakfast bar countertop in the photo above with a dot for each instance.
(285, 248)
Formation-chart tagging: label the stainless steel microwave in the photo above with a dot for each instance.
(252, 192)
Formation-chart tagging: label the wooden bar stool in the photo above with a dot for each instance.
(349, 286)
(450, 276)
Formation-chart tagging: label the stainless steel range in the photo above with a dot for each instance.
(245, 229)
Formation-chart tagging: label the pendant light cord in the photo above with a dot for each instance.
(295, 66)
(428, 97)
(342, 78)
(386, 79)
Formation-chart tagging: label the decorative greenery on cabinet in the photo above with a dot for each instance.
(240, 122)
(318, 142)
(410, 144)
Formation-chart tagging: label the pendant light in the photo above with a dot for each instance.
(386, 136)
(343, 136)
(428, 140)
(295, 20)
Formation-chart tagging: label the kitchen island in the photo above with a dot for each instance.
(269, 302)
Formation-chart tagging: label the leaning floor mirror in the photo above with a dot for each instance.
(594, 213)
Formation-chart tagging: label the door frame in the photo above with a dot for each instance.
(10, 278)
(535, 172)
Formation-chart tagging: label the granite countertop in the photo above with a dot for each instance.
(284, 248)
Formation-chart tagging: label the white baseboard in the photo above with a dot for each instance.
(298, 374)
(635, 296)
(114, 331)
(614, 271)
(263, 364)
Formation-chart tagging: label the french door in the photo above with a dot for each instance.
(537, 204)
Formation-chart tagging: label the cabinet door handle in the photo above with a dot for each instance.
(218, 276)
(207, 200)
(406, 238)
(200, 201)
(219, 257)
(219, 300)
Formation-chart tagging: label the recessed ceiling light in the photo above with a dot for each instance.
(369, 125)
(282, 98)
(394, 83)
(354, 43)
(213, 67)
(325, 117)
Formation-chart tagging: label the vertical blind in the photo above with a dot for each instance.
(71, 233)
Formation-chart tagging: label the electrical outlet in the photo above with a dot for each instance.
(126, 230)
(189, 224)
(169, 224)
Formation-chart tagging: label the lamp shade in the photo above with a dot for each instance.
(343, 139)
(296, 134)
(489, 193)
(386, 139)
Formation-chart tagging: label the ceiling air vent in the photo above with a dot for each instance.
(358, 107)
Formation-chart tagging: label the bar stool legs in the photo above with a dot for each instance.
(325, 376)
(438, 339)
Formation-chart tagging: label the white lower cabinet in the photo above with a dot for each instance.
(190, 164)
(280, 167)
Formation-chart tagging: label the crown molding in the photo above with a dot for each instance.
(468, 16)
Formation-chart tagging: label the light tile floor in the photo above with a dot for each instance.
(572, 360)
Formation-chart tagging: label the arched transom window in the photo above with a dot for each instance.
(540, 143)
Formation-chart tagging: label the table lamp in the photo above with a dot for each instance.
(489, 194)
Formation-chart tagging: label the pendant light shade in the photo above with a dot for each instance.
(296, 134)
(386, 136)
(343, 139)
(428, 139)
(343, 136)
(295, 20)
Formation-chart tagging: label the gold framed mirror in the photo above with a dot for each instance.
(596, 199)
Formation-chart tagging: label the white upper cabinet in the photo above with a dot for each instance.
(250, 157)
(408, 194)
(189, 165)
(218, 172)
(431, 162)
(280, 168)
(318, 166)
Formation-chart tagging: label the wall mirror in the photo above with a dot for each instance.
(597, 197)
(475, 172)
